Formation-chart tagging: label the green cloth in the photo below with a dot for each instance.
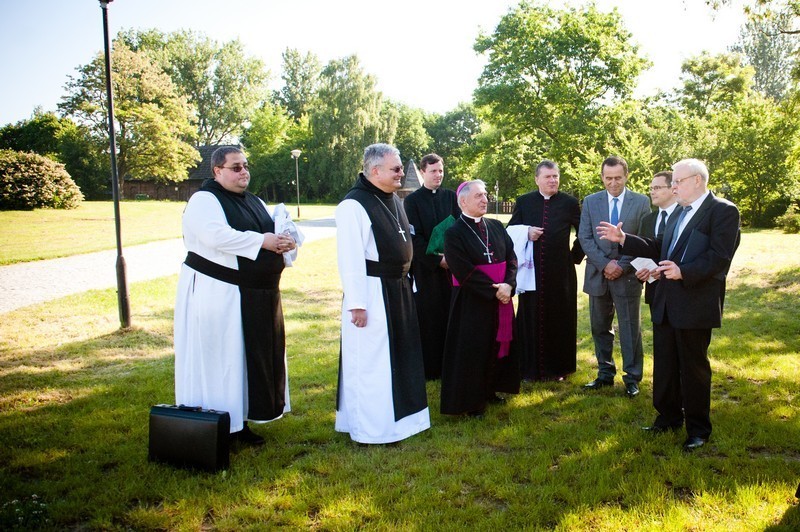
(436, 243)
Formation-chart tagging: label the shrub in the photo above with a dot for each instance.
(790, 221)
(29, 181)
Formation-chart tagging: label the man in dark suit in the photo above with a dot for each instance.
(610, 279)
(694, 257)
(653, 225)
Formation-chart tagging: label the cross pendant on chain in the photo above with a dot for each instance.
(402, 233)
(489, 255)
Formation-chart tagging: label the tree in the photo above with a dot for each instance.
(410, 135)
(782, 15)
(267, 143)
(754, 165)
(770, 53)
(506, 163)
(153, 121)
(63, 141)
(713, 82)
(345, 121)
(301, 78)
(223, 86)
(550, 73)
(454, 138)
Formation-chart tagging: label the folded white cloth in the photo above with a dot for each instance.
(285, 225)
(523, 249)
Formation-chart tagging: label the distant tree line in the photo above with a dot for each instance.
(557, 84)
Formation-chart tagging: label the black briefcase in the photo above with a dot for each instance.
(188, 436)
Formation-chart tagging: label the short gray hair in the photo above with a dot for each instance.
(374, 154)
(466, 186)
(695, 166)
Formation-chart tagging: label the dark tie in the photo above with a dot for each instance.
(614, 212)
(662, 224)
(677, 231)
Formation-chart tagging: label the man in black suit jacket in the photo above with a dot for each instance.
(654, 224)
(694, 257)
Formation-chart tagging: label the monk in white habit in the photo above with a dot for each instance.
(381, 393)
(229, 338)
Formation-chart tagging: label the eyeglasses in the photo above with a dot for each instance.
(237, 167)
(653, 188)
(395, 169)
(676, 182)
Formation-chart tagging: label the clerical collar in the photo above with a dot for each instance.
(476, 220)
(431, 190)
(547, 197)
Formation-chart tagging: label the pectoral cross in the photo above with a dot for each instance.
(402, 233)
(489, 255)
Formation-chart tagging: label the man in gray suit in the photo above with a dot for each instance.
(610, 280)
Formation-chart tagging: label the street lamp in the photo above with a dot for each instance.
(296, 156)
(497, 198)
(122, 285)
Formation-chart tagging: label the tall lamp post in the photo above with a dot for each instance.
(497, 199)
(296, 156)
(122, 284)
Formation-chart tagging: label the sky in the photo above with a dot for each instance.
(420, 51)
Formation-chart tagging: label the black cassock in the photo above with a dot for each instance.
(547, 317)
(425, 209)
(471, 370)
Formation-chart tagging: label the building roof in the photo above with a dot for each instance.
(203, 169)
(412, 180)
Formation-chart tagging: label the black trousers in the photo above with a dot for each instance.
(682, 378)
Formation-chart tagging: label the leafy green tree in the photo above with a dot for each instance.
(454, 138)
(269, 141)
(770, 53)
(754, 166)
(153, 121)
(714, 82)
(346, 119)
(551, 72)
(505, 162)
(63, 141)
(410, 135)
(222, 85)
(301, 79)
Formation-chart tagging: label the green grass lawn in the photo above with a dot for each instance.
(49, 233)
(75, 394)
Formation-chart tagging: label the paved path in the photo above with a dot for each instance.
(28, 283)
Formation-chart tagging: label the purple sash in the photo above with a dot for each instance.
(496, 271)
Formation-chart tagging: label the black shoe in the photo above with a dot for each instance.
(631, 389)
(597, 384)
(693, 442)
(247, 437)
(495, 400)
(477, 414)
(658, 429)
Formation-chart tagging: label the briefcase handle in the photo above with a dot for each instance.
(187, 408)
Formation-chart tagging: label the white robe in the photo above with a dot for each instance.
(210, 366)
(366, 408)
